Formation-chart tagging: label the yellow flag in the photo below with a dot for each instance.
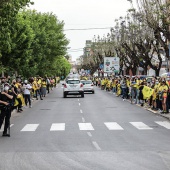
(16, 102)
(22, 100)
(147, 92)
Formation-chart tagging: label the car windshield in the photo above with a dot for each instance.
(87, 82)
(73, 81)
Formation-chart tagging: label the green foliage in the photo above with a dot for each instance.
(8, 11)
(31, 43)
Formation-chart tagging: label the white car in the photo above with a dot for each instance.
(88, 86)
(73, 87)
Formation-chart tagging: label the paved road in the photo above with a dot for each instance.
(98, 132)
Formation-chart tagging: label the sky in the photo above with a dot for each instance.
(82, 14)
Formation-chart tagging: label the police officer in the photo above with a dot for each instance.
(6, 105)
(3, 81)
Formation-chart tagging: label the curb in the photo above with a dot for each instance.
(155, 112)
(167, 117)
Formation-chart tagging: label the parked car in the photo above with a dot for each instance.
(88, 86)
(73, 86)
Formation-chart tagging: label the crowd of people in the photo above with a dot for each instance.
(18, 93)
(153, 93)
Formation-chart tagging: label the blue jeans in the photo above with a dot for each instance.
(27, 99)
(124, 93)
(137, 96)
(114, 90)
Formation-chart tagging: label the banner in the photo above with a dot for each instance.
(111, 64)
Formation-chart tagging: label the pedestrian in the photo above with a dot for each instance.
(6, 103)
(48, 84)
(15, 94)
(124, 88)
(164, 89)
(43, 87)
(38, 88)
(27, 93)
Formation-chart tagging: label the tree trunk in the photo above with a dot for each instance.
(134, 70)
(157, 72)
(145, 70)
(2, 73)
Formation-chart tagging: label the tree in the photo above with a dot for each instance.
(8, 11)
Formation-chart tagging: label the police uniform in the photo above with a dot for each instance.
(6, 112)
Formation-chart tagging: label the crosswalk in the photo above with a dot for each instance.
(111, 126)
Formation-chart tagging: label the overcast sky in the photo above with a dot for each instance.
(80, 14)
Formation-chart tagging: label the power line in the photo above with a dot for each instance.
(81, 29)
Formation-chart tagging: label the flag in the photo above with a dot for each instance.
(147, 92)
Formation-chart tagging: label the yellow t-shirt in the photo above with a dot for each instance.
(113, 83)
(35, 85)
(43, 84)
(103, 82)
(164, 89)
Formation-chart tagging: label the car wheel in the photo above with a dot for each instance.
(82, 95)
(92, 92)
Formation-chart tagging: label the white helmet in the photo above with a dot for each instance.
(26, 81)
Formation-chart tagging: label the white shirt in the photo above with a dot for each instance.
(27, 88)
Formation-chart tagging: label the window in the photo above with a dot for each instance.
(73, 82)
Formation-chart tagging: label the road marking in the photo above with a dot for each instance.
(30, 127)
(89, 134)
(11, 125)
(57, 127)
(78, 100)
(165, 124)
(85, 126)
(141, 126)
(96, 146)
(113, 126)
(79, 104)
(81, 111)
(83, 119)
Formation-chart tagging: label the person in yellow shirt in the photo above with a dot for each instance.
(102, 84)
(154, 95)
(137, 89)
(114, 86)
(34, 85)
(118, 89)
(43, 87)
(164, 89)
(108, 85)
(38, 86)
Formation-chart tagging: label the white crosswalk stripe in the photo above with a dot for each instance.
(57, 127)
(30, 128)
(113, 126)
(85, 126)
(165, 124)
(141, 126)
